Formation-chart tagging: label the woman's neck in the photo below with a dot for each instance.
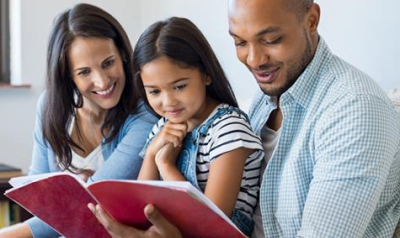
(92, 112)
(87, 131)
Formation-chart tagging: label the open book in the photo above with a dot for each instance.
(60, 200)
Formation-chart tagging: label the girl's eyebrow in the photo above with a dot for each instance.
(173, 82)
(179, 80)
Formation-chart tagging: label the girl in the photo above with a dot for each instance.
(89, 120)
(202, 136)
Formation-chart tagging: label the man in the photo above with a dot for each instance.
(331, 136)
(335, 168)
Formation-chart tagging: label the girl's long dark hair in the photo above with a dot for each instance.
(63, 97)
(181, 41)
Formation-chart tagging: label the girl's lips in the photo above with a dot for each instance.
(174, 112)
(266, 77)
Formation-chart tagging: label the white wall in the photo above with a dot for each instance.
(364, 32)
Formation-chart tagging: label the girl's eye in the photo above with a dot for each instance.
(154, 92)
(180, 87)
(84, 72)
(108, 63)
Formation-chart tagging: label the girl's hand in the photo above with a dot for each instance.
(167, 155)
(170, 133)
(161, 227)
(165, 161)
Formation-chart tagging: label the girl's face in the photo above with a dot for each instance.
(176, 93)
(97, 70)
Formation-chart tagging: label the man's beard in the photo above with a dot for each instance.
(295, 69)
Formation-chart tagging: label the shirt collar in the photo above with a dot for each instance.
(303, 89)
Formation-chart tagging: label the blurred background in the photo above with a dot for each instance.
(365, 33)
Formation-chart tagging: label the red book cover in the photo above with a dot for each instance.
(61, 201)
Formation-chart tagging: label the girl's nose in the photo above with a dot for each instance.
(169, 99)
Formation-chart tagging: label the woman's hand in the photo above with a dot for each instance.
(170, 133)
(20, 230)
(161, 228)
(86, 174)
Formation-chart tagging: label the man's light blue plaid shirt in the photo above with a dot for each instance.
(335, 171)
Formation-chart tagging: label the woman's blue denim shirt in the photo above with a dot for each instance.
(122, 160)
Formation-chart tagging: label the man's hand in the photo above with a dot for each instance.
(161, 227)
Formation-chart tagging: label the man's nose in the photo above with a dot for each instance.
(256, 57)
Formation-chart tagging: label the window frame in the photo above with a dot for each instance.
(5, 76)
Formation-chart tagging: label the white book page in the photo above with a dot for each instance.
(17, 182)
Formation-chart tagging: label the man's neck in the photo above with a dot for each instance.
(275, 119)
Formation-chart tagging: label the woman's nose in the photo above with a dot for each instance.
(101, 80)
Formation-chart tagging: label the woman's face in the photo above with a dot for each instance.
(97, 70)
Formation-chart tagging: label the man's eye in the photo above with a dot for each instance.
(273, 42)
(240, 43)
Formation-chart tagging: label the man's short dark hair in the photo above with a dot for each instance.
(299, 7)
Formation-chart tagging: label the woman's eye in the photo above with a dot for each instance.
(84, 72)
(108, 63)
(180, 87)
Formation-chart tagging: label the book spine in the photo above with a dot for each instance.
(4, 214)
(15, 212)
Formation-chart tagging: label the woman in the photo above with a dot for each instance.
(89, 121)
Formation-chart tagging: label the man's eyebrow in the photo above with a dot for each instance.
(268, 30)
(231, 33)
(260, 33)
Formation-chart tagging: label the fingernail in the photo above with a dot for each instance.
(90, 206)
(150, 209)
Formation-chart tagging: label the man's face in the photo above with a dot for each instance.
(271, 41)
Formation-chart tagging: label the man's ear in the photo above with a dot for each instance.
(312, 18)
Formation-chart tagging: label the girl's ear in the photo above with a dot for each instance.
(208, 80)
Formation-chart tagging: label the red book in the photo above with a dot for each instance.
(60, 200)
